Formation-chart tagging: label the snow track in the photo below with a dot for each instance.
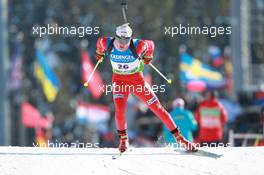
(141, 161)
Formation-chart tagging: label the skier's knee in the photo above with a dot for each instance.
(118, 96)
(152, 101)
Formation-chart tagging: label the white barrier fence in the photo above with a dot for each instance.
(257, 76)
(244, 136)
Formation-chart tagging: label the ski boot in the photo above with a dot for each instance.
(123, 141)
(190, 147)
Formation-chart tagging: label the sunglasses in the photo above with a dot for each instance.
(123, 40)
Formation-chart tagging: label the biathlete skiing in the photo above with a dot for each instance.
(128, 57)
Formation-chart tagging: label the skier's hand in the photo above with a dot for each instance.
(147, 59)
(148, 54)
(99, 56)
(100, 48)
(101, 60)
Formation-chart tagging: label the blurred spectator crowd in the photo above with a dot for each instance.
(63, 55)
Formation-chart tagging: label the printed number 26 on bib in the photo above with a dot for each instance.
(122, 66)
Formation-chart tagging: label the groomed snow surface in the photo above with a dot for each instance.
(140, 161)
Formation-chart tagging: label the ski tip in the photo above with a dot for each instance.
(120, 153)
(208, 154)
(114, 157)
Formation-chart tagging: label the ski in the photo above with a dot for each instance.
(207, 154)
(115, 156)
(204, 153)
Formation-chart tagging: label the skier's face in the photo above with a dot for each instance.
(123, 42)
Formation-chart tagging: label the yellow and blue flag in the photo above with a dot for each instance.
(192, 69)
(48, 79)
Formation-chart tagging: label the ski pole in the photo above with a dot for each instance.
(168, 80)
(91, 75)
(124, 8)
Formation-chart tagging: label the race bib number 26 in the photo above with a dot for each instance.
(123, 66)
